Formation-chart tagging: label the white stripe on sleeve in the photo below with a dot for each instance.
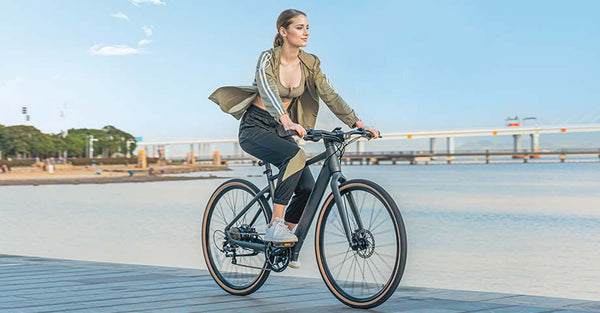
(265, 84)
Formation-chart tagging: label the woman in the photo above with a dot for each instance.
(285, 97)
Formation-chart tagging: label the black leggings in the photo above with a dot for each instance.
(263, 137)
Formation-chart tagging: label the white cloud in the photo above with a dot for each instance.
(155, 2)
(144, 42)
(121, 16)
(57, 76)
(113, 50)
(148, 30)
(11, 83)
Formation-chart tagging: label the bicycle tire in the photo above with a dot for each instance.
(328, 257)
(227, 195)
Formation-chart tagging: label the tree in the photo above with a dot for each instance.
(28, 141)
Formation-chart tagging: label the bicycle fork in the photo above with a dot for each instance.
(337, 179)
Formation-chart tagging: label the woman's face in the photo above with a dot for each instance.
(297, 33)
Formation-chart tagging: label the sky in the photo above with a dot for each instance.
(148, 66)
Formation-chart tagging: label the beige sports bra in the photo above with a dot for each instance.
(288, 93)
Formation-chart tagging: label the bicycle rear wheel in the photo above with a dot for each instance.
(366, 273)
(237, 270)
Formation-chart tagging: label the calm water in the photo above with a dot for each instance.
(517, 228)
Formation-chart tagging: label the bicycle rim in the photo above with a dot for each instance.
(367, 276)
(249, 272)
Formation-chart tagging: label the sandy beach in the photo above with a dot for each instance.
(102, 174)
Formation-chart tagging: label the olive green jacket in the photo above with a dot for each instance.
(303, 110)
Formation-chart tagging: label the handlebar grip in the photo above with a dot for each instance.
(293, 133)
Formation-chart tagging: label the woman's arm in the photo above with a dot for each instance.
(267, 85)
(269, 94)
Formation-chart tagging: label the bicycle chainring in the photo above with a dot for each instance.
(278, 258)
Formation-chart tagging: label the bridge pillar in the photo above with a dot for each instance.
(432, 145)
(450, 145)
(205, 151)
(535, 142)
(360, 146)
(517, 143)
(236, 150)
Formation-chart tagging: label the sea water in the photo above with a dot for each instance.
(514, 228)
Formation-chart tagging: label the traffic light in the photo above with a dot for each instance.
(24, 110)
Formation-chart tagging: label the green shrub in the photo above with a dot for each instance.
(17, 163)
(109, 161)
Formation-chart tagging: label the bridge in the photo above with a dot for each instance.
(203, 149)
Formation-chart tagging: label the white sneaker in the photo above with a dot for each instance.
(295, 264)
(279, 232)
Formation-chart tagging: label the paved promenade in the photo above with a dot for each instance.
(31, 284)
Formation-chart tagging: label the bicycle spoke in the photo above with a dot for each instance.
(382, 259)
(343, 261)
(378, 271)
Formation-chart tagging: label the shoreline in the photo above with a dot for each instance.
(100, 180)
(76, 175)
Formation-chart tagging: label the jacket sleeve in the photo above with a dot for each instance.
(267, 85)
(336, 104)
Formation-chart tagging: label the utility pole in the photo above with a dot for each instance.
(127, 143)
(90, 146)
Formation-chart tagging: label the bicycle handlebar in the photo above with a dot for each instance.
(337, 134)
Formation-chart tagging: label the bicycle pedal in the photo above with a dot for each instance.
(283, 244)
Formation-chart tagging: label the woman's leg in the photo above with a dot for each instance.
(301, 194)
(281, 152)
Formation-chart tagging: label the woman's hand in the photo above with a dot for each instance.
(371, 129)
(289, 125)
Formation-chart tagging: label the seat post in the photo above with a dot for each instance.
(269, 172)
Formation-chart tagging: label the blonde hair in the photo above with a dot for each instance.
(284, 20)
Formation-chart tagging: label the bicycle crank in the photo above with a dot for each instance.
(278, 256)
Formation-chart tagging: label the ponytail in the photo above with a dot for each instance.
(278, 42)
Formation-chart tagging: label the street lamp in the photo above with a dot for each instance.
(90, 146)
(127, 143)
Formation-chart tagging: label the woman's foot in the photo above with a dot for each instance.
(279, 232)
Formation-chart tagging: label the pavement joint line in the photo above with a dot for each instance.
(188, 295)
(115, 289)
(63, 277)
(238, 301)
(82, 300)
(100, 286)
(499, 307)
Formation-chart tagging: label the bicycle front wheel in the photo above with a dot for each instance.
(237, 270)
(365, 272)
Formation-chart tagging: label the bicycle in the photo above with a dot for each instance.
(360, 239)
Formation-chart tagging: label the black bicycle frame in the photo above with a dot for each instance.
(330, 174)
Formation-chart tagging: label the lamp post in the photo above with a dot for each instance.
(90, 146)
(127, 143)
